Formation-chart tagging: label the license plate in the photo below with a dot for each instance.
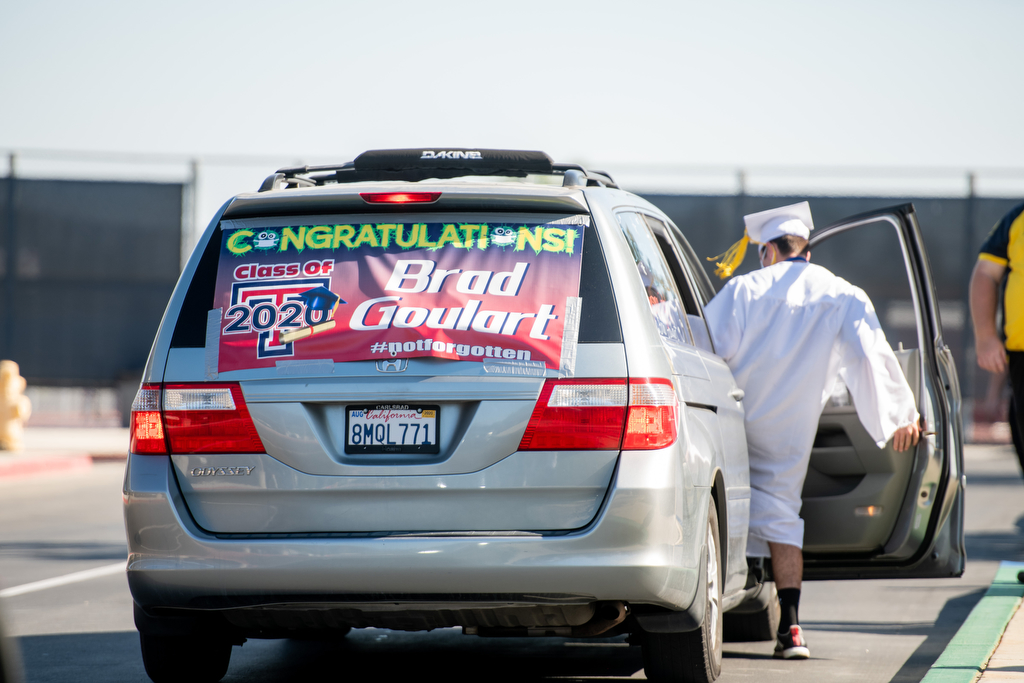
(391, 428)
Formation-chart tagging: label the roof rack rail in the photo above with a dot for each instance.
(413, 165)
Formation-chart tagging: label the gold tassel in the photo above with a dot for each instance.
(732, 258)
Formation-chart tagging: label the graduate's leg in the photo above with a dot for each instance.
(777, 530)
(788, 572)
(787, 565)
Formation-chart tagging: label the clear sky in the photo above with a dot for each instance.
(873, 83)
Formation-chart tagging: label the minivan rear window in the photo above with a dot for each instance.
(350, 289)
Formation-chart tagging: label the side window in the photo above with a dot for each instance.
(599, 319)
(190, 329)
(705, 290)
(654, 273)
(671, 246)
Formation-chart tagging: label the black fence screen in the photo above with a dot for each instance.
(86, 269)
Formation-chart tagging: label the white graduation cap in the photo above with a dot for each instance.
(763, 227)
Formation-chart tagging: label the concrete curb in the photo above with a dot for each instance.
(26, 465)
(969, 651)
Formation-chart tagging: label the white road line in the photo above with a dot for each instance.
(94, 573)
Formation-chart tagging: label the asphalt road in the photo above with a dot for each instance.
(55, 525)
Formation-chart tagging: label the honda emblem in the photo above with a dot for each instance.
(393, 365)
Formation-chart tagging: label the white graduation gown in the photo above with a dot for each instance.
(787, 332)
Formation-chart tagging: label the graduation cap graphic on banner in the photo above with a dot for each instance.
(316, 299)
(321, 299)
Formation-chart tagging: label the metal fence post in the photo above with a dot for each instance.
(970, 384)
(189, 212)
(11, 261)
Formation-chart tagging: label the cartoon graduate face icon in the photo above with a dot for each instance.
(266, 239)
(504, 237)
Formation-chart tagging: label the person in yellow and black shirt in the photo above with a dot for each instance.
(1002, 254)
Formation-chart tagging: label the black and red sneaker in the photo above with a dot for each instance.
(792, 645)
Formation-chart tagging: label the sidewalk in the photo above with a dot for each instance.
(991, 640)
(1007, 663)
(60, 449)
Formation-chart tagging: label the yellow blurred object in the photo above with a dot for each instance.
(15, 407)
(732, 257)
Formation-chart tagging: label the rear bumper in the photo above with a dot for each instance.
(643, 547)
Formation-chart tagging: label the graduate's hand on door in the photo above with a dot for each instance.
(906, 437)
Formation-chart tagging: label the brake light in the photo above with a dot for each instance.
(192, 418)
(399, 197)
(209, 418)
(651, 422)
(577, 414)
(602, 414)
(147, 425)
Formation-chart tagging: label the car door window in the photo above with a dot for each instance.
(705, 290)
(657, 279)
(871, 257)
(669, 245)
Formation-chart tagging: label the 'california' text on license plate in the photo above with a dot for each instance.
(391, 428)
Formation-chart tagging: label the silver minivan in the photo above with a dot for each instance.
(475, 388)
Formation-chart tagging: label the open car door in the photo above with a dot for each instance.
(870, 512)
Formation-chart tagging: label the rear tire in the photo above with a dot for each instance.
(752, 627)
(696, 656)
(170, 659)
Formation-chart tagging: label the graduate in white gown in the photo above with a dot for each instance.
(788, 331)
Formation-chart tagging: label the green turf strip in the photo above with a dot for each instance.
(972, 646)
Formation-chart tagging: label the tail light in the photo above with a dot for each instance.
(602, 414)
(585, 414)
(147, 424)
(192, 418)
(651, 422)
(400, 197)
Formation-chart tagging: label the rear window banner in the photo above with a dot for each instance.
(380, 291)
